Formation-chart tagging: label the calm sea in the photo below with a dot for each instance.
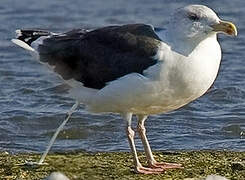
(33, 100)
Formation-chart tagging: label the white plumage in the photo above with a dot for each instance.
(173, 82)
(187, 62)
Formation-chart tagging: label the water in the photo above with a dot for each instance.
(33, 100)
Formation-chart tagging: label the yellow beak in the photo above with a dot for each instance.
(225, 27)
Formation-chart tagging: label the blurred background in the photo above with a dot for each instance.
(33, 100)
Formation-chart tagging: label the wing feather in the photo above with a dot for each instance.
(99, 56)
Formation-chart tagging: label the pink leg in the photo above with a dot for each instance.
(152, 163)
(137, 165)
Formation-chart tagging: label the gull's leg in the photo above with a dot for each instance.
(150, 159)
(130, 134)
(51, 142)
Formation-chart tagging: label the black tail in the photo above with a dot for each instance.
(28, 36)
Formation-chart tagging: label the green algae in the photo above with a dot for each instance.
(118, 165)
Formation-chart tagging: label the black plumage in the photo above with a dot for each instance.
(96, 57)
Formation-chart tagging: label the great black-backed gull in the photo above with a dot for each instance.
(135, 69)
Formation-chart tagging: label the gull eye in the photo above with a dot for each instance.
(193, 17)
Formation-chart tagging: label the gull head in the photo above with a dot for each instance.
(197, 22)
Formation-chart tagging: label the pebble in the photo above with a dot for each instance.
(57, 176)
(215, 177)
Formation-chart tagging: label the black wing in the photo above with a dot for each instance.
(102, 55)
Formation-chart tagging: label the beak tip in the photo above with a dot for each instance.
(232, 33)
(233, 30)
(226, 27)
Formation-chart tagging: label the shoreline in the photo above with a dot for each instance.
(119, 165)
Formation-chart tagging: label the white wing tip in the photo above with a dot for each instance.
(22, 44)
(18, 33)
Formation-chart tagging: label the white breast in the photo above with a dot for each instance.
(186, 78)
(173, 82)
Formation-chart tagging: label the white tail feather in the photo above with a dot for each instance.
(22, 44)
